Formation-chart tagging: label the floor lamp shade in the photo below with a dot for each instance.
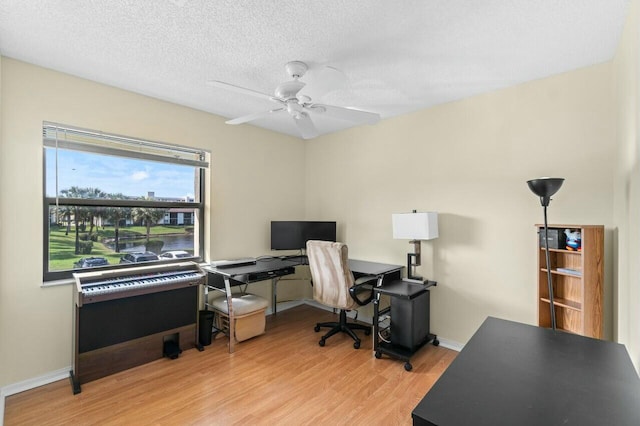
(545, 187)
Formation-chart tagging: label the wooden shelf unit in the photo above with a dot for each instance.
(577, 298)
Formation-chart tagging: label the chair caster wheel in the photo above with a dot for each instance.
(367, 332)
(316, 328)
(408, 366)
(378, 355)
(321, 342)
(436, 342)
(356, 345)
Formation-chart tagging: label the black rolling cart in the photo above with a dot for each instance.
(408, 313)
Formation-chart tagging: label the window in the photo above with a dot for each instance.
(112, 201)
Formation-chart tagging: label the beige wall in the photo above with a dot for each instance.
(469, 161)
(627, 185)
(255, 176)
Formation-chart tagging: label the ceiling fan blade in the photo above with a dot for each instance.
(238, 89)
(347, 114)
(251, 117)
(305, 125)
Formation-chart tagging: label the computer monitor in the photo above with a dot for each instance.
(293, 235)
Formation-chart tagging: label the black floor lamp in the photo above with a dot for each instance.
(544, 188)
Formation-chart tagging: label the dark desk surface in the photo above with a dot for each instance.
(372, 268)
(405, 288)
(272, 264)
(261, 265)
(517, 374)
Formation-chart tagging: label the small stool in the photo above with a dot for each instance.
(248, 312)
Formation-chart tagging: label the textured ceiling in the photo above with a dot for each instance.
(397, 56)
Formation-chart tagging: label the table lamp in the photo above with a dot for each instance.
(544, 188)
(415, 227)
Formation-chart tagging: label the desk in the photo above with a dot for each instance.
(517, 374)
(223, 279)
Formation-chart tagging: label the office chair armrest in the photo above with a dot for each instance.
(363, 285)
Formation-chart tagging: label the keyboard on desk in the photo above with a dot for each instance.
(93, 287)
(225, 264)
(263, 269)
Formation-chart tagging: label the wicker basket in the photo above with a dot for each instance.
(250, 322)
(221, 321)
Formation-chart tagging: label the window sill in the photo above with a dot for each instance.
(56, 283)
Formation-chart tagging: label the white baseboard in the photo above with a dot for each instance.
(28, 384)
(45, 379)
(283, 306)
(450, 344)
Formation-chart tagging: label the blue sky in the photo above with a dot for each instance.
(117, 174)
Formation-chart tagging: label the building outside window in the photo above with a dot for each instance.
(112, 201)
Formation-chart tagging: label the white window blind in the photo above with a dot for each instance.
(61, 136)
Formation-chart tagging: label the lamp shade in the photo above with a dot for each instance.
(415, 226)
(545, 187)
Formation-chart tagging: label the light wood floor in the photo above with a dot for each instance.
(280, 378)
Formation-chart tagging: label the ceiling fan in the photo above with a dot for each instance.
(296, 98)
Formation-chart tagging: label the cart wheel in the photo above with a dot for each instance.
(316, 328)
(378, 354)
(408, 366)
(356, 345)
(436, 342)
(367, 332)
(321, 342)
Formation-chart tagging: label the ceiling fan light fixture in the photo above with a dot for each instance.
(295, 110)
(289, 89)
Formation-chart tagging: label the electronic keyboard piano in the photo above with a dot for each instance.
(123, 317)
(92, 287)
